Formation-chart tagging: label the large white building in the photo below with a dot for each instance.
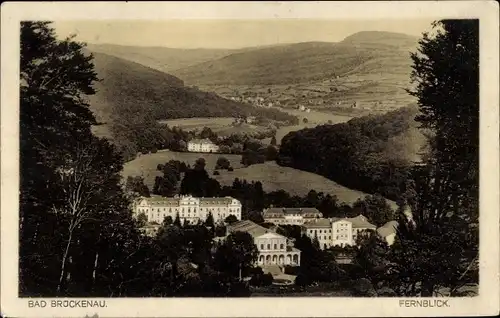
(337, 231)
(290, 216)
(190, 209)
(202, 145)
(274, 249)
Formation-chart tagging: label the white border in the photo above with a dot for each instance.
(487, 11)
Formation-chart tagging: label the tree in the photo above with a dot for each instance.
(236, 254)
(72, 208)
(142, 219)
(177, 221)
(442, 236)
(273, 140)
(375, 208)
(168, 221)
(210, 220)
(231, 219)
(222, 163)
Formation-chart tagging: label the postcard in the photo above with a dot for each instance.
(250, 159)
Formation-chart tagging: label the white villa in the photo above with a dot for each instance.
(274, 249)
(290, 216)
(337, 231)
(202, 145)
(190, 209)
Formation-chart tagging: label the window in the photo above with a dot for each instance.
(282, 246)
(329, 237)
(261, 246)
(268, 246)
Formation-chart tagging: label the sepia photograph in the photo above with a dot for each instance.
(291, 158)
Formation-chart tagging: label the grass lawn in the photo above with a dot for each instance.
(199, 123)
(272, 176)
(145, 165)
(293, 181)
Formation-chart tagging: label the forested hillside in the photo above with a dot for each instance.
(129, 89)
(130, 98)
(366, 153)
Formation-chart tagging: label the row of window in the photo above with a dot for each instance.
(324, 231)
(338, 237)
(282, 246)
(188, 210)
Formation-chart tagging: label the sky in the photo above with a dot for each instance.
(227, 33)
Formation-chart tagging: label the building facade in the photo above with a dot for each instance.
(190, 209)
(202, 145)
(337, 231)
(274, 249)
(290, 216)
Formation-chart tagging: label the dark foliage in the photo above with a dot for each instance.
(354, 154)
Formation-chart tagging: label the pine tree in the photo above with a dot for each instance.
(177, 220)
(210, 220)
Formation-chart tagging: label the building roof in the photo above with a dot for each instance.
(388, 229)
(318, 223)
(361, 221)
(175, 201)
(281, 212)
(248, 226)
(357, 222)
(201, 141)
(216, 201)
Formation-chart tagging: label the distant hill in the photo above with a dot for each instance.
(364, 52)
(160, 58)
(167, 59)
(129, 89)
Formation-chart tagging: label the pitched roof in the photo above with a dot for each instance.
(318, 223)
(388, 229)
(216, 201)
(250, 227)
(175, 201)
(311, 212)
(361, 222)
(357, 222)
(201, 141)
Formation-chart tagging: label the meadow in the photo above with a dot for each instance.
(199, 122)
(272, 176)
(296, 182)
(145, 165)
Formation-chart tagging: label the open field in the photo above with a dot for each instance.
(296, 182)
(199, 122)
(145, 165)
(272, 176)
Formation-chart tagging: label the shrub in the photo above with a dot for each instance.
(230, 169)
(159, 167)
(364, 288)
(267, 279)
(291, 270)
(301, 280)
(216, 173)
